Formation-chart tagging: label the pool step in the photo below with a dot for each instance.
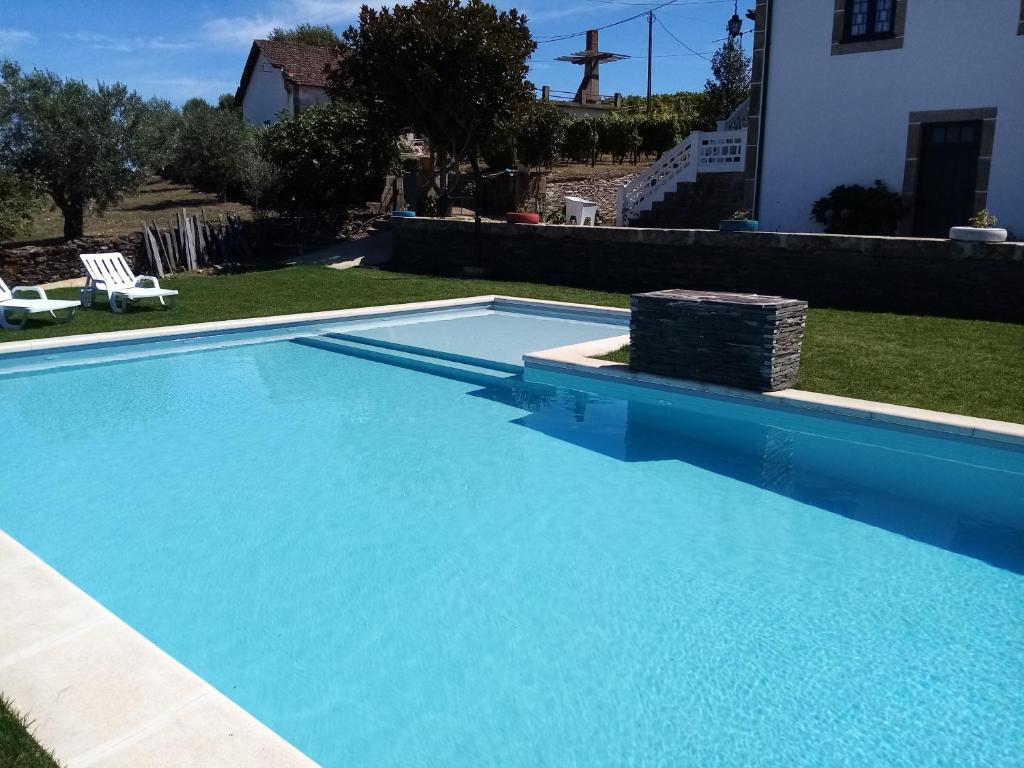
(477, 362)
(419, 361)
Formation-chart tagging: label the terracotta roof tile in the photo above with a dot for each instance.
(302, 64)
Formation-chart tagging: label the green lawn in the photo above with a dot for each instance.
(17, 747)
(960, 366)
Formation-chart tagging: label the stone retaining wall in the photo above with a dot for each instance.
(36, 264)
(889, 274)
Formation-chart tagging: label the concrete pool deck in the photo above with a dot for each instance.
(100, 694)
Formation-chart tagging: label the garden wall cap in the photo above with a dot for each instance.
(718, 297)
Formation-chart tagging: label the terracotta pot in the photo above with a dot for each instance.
(513, 217)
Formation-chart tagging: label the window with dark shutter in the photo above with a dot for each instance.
(869, 19)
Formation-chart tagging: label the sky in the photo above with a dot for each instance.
(179, 49)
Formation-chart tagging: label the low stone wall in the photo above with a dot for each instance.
(739, 340)
(887, 274)
(36, 264)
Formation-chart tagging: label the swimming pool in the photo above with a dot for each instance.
(399, 558)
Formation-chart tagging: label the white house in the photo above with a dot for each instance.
(282, 79)
(926, 95)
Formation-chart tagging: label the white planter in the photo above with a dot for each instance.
(978, 234)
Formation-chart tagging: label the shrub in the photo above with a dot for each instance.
(325, 156)
(619, 137)
(581, 140)
(542, 134)
(982, 219)
(658, 133)
(856, 210)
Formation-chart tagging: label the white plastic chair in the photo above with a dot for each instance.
(109, 273)
(14, 312)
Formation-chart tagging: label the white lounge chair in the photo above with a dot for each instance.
(14, 312)
(109, 273)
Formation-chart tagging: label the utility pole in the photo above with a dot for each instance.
(650, 46)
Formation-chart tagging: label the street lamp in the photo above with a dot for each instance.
(735, 25)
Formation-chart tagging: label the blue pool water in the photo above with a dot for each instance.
(398, 568)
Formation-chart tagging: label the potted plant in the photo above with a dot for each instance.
(740, 221)
(983, 229)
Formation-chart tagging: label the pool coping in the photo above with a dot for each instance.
(581, 360)
(100, 694)
(61, 636)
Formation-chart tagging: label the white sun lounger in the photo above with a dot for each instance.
(109, 273)
(14, 312)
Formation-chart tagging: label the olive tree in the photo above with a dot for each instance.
(448, 69)
(86, 146)
(211, 146)
(20, 200)
(307, 34)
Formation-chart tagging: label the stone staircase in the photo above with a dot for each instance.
(693, 185)
(698, 204)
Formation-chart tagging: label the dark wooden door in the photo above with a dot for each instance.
(947, 178)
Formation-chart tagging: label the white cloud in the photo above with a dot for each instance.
(552, 14)
(125, 44)
(325, 11)
(12, 38)
(242, 30)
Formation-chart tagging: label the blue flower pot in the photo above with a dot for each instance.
(738, 225)
(403, 214)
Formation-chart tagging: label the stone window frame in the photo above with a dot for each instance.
(840, 45)
(912, 164)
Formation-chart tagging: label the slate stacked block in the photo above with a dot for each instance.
(739, 340)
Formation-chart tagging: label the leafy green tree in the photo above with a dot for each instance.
(582, 140)
(658, 132)
(532, 136)
(160, 133)
(20, 199)
(730, 87)
(309, 34)
(451, 70)
(542, 135)
(325, 155)
(619, 137)
(86, 146)
(226, 101)
(212, 146)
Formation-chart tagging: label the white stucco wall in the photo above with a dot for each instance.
(310, 96)
(843, 119)
(266, 94)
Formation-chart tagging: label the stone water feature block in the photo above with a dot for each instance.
(736, 339)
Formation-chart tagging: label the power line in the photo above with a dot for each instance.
(635, 56)
(656, 5)
(571, 35)
(669, 32)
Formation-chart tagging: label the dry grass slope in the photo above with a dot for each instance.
(158, 199)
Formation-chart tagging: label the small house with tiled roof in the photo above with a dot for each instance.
(282, 79)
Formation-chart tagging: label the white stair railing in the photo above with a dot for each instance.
(721, 151)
